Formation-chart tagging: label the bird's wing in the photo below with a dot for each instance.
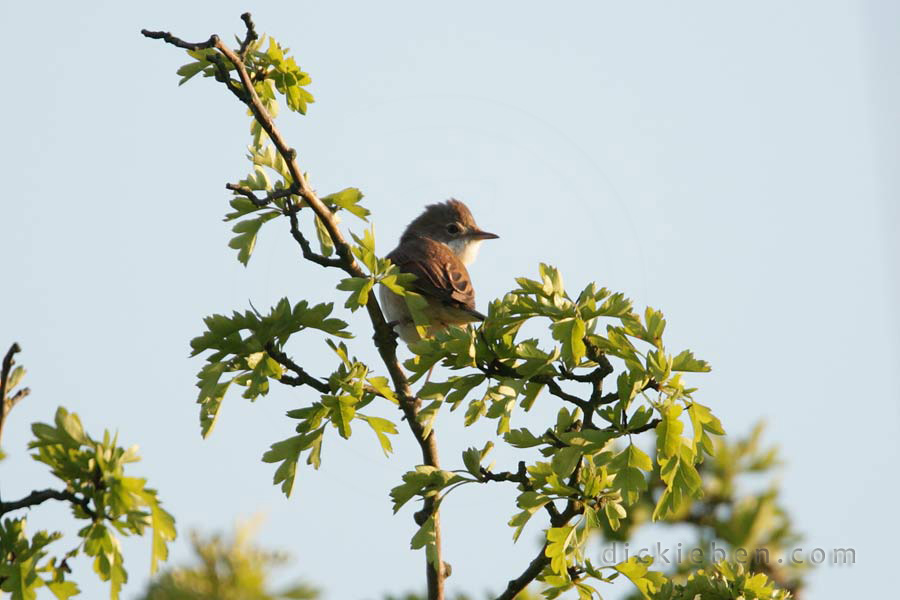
(439, 273)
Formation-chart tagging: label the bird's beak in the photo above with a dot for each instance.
(477, 234)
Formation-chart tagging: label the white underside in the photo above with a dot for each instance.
(439, 315)
(395, 311)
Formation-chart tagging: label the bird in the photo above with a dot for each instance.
(436, 247)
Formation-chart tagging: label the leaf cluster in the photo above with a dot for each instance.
(237, 347)
(100, 493)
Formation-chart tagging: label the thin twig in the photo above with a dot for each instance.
(38, 497)
(7, 404)
(300, 377)
(308, 253)
(537, 564)
(520, 477)
(533, 569)
(256, 200)
(251, 36)
(496, 368)
(171, 39)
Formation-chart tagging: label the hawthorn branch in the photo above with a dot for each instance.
(178, 42)
(38, 497)
(308, 253)
(300, 377)
(520, 477)
(645, 427)
(534, 568)
(384, 336)
(537, 564)
(496, 367)
(7, 403)
(251, 36)
(256, 200)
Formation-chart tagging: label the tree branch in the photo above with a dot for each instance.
(256, 200)
(384, 336)
(251, 36)
(498, 368)
(533, 569)
(300, 377)
(38, 497)
(171, 39)
(520, 477)
(537, 564)
(308, 253)
(7, 404)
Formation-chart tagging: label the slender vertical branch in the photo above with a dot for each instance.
(384, 337)
(7, 403)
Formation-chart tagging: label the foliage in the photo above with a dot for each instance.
(752, 529)
(227, 569)
(100, 494)
(588, 470)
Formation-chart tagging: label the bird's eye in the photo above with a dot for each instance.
(453, 229)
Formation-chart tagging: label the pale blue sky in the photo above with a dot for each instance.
(734, 164)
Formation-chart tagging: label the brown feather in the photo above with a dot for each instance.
(440, 276)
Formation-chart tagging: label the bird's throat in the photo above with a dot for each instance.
(466, 250)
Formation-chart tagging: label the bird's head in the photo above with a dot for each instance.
(449, 223)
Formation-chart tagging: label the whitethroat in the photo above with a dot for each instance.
(436, 247)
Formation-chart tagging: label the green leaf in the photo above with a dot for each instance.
(348, 199)
(325, 244)
(163, 525)
(63, 589)
(702, 423)
(655, 325)
(425, 481)
(364, 250)
(565, 460)
(558, 539)
(472, 461)
(193, 68)
(343, 410)
(247, 230)
(425, 537)
(476, 410)
(617, 305)
(614, 514)
(637, 570)
(381, 385)
(682, 482)
(570, 333)
(530, 502)
(630, 482)
(473, 457)
(359, 288)
(522, 438)
(287, 452)
(552, 280)
(668, 432)
(532, 390)
(685, 361)
(632, 456)
(461, 386)
(382, 427)
(14, 378)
